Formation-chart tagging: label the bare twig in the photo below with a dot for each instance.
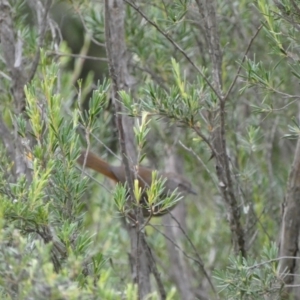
(196, 260)
(206, 140)
(58, 53)
(86, 29)
(80, 61)
(106, 147)
(201, 161)
(241, 63)
(199, 259)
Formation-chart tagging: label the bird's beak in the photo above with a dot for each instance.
(191, 191)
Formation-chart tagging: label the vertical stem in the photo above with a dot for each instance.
(290, 229)
(208, 13)
(116, 49)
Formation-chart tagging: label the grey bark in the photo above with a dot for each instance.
(207, 11)
(12, 53)
(289, 239)
(140, 256)
(179, 272)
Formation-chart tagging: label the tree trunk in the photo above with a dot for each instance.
(289, 247)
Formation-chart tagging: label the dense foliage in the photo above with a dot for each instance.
(62, 233)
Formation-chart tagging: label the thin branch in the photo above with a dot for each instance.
(105, 146)
(272, 260)
(206, 140)
(58, 53)
(197, 261)
(196, 253)
(166, 35)
(201, 161)
(243, 59)
(156, 272)
(87, 30)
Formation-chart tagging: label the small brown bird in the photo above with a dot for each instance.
(144, 175)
